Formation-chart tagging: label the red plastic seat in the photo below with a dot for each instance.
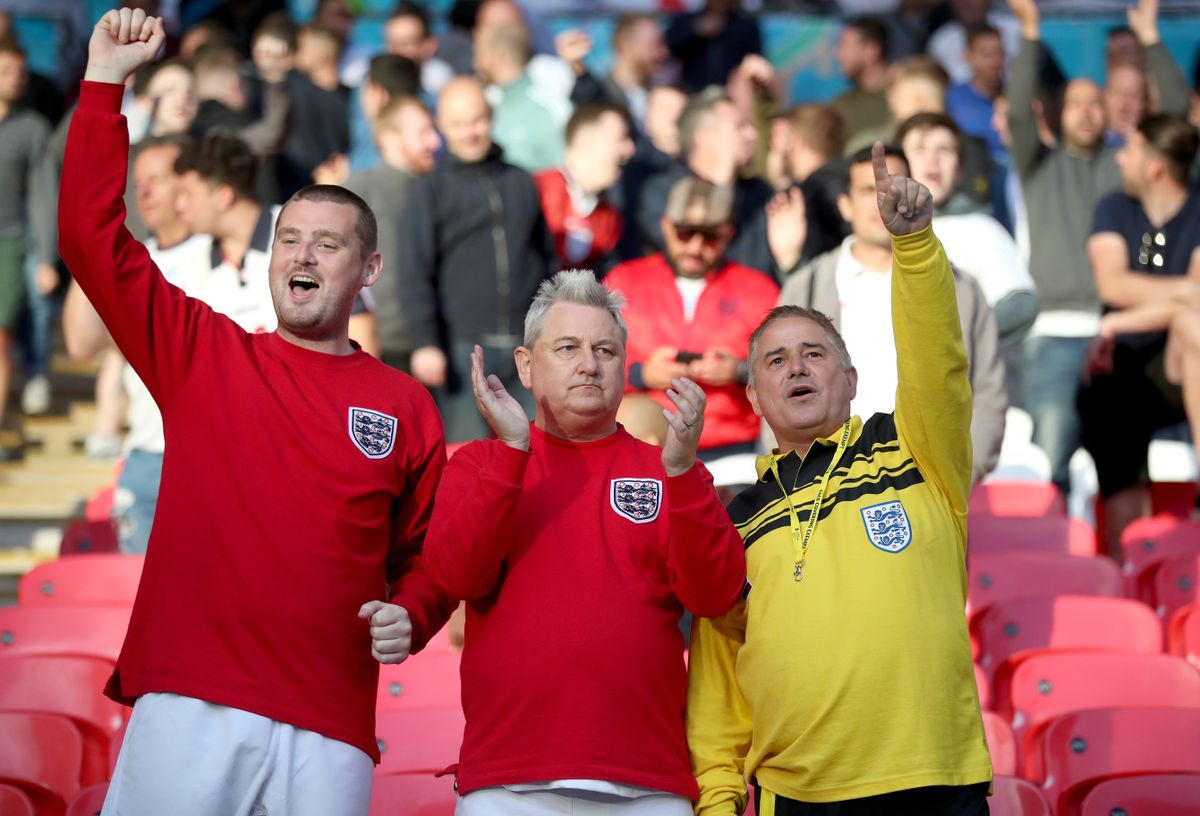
(1050, 534)
(1183, 633)
(1007, 576)
(422, 681)
(107, 578)
(1147, 542)
(1010, 630)
(89, 536)
(41, 754)
(1023, 499)
(418, 740)
(87, 630)
(1048, 685)
(1016, 797)
(1001, 744)
(413, 795)
(74, 688)
(1150, 794)
(1084, 748)
(90, 800)
(1175, 584)
(15, 802)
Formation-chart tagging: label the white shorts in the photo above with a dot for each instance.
(503, 802)
(187, 757)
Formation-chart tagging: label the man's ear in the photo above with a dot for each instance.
(753, 397)
(852, 375)
(843, 205)
(372, 269)
(523, 359)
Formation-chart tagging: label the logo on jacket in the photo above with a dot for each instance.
(887, 526)
(636, 499)
(372, 433)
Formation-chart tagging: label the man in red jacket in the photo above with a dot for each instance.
(577, 548)
(298, 478)
(691, 313)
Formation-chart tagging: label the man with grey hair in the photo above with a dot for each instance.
(577, 548)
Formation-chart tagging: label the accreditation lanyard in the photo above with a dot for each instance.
(800, 542)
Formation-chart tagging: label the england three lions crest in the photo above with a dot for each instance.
(372, 433)
(636, 499)
(888, 526)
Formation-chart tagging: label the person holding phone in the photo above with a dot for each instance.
(691, 312)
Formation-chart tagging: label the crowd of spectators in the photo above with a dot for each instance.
(687, 176)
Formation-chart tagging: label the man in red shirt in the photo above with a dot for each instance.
(297, 482)
(577, 549)
(691, 313)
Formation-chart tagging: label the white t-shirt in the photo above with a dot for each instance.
(865, 303)
(978, 246)
(690, 289)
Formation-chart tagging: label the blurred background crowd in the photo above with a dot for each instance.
(706, 158)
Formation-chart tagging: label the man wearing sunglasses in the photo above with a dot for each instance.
(691, 311)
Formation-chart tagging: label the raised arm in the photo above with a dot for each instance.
(153, 323)
(1026, 149)
(1161, 68)
(933, 399)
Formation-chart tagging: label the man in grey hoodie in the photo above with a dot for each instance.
(1062, 186)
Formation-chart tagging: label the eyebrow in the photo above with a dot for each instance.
(321, 233)
(780, 350)
(603, 341)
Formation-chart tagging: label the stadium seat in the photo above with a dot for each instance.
(418, 740)
(90, 800)
(1147, 542)
(1051, 534)
(1011, 575)
(422, 681)
(1023, 499)
(90, 631)
(1010, 630)
(1183, 633)
(41, 754)
(1084, 748)
(1145, 795)
(107, 578)
(89, 536)
(413, 795)
(74, 688)
(1050, 684)
(1016, 797)
(985, 688)
(15, 802)
(1001, 744)
(1174, 584)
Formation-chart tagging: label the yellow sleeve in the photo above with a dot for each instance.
(933, 399)
(718, 718)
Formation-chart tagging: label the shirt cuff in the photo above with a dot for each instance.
(635, 377)
(690, 489)
(101, 97)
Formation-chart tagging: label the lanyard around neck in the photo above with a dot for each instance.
(800, 542)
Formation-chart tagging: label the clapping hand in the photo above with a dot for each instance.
(123, 41)
(905, 206)
(503, 414)
(686, 423)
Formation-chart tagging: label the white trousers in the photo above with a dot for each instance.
(187, 757)
(503, 802)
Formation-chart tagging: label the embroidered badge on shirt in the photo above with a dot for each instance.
(636, 499)
(887, 526)
(373, 433)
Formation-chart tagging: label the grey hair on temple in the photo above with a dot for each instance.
(577, 286)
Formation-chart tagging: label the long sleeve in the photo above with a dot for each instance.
(265, 136)
(471, 531)
(933, 400)
(154, 324)
(719, 721)
(1026, 150)
(412, 587)
(706, 557)
(42, 185)
(989, 401)
(1173, 96)
(416, 265)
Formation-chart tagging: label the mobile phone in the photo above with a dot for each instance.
(687, 356)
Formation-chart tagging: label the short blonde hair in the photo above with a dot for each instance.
(577, 286)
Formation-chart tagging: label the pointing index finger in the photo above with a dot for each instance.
(883, 181)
